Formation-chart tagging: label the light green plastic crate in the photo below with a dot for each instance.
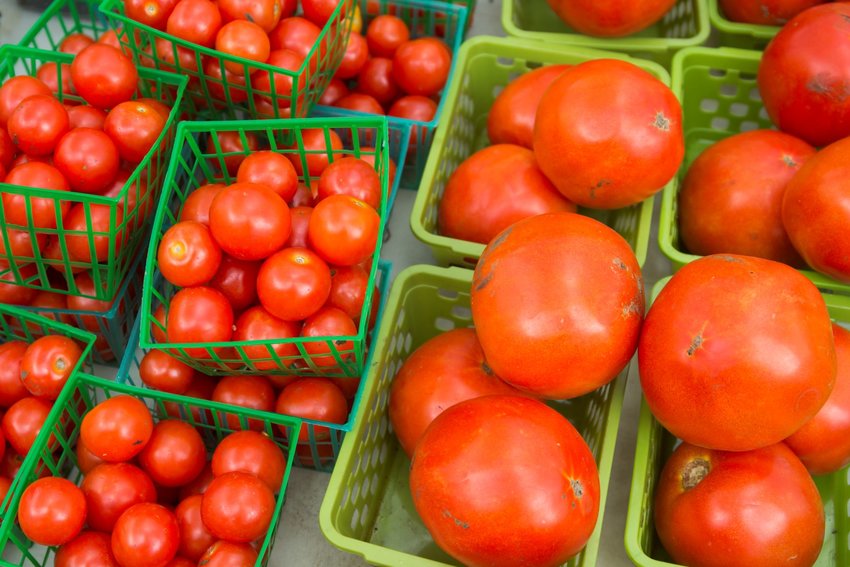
(367, 509)
(485, 65)
(685, 25)
(736, 34)
(720, 97)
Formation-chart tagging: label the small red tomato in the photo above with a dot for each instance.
(47, 365)
(228, 554)
(52, 511)
(296, 34)
(237, 507)
(15, 90)
(249, 221)
(188, 255)
(279, 90)
(104, 76)
(134, 127)
(197, 204)
(355, 57)
(146, 535)
(42, 209)
(325, 142)
(175, 454)
(329, 322)
(161, 371)
(23, 421)
(257, 324)
(222, 84)
(153, 13)
(385, 34)
(11, 387)
(421, 66)
(57, 78)
(195, 538)
(335, 90)
(111, 489)
(235, 145)
(264, 13)
(88, 159)
(360, 102)
(253, 453)
(37, 125)
(86, 550)
(74, 43)
(343, 230)
(241, 38)
(300, 222)
(105, 240)
(174, 58)
(348, 290)
(117, 429)
(270, 169)
(376, 80)
(83, 116)
(237, 280)
(253, 392)
(354, 177)
(313, 398)
(199, 315)
(319, 11)
(196, 21)
(294, 283)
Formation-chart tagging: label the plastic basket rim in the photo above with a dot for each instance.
(725, 25)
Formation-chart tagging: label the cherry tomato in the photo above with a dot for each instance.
(146, 535)
(300, 222)
(264, 13)
(376, 80)
(313, 398)
(360, 102)
(237, 280)
(11, 387)
(197, 204)
(296, 34)
(232, 143)
(343, 230)
(47, 365)
(348, 290)
(270, 169)
(161, 371)
(83, 116)
(253, 453)
(52, 511)
(153, 13)
(316, 139)
(88, 159)
(237, 507)
(74, 43)
(199, 315)
(85, 287)
(421, 66)
(351, 176)
(103, 76)
(385, 34)
(196, 21)
(335, 90)
(134, 127)
(329, 322)
(417, 108)
(218, 82)
(34, 174)
(253, 392)
(188, 255)
(23, 421)
(355, 57)
(174, 58)
(249, 221)
(86, 550)
(81, 246)
(175, 454)
(293, 283)
(195, 538)
(319, 11)
(117, 429)
(257, 324)
(228, 554)
(15, 90)
(17, 294)
(37, 125)
(111, 489)
(86, 460)
(283, 59)
(241, 38)
(57, 78)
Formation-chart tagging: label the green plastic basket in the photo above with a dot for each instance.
(85, 392)
(424, 18)
(736, 34)
(308, 82)
(685, 25)
(124, 237)
(720, 97)
(367, 509)
(654, 446)
(485, 65)
(201, 168)
(62, 18)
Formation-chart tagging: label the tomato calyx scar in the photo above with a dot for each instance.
(661, 122)
(694, 473)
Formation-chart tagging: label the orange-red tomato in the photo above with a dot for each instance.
(249, 221)
(313, 398)
(610, 19)
(196, 21)
(188, 255)
(270, 169)
(244, 39)
(153, 13)
(385, 34)
(264, 13)
(327, 142)
(257, 324)
(197, 204)
(354, 177)
(376, 80)
(296, 34)
(356, 55)
(343, 230)
(421, 66)
(293, 284)
(765, 12)
(360, 102)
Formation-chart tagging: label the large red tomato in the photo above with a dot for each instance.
(804, 75)
(557, 302)
(494, 188)
(731, 200)
(736, 353)
(816, 208)
(237, 507)
(526, 458)
(52, 511)
(87, 549)
(612, 134)
(765, 12)
(610, 19)
(104, 76)
(734, 509)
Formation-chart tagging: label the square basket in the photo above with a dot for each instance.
(720, 98)
(485, 66)
(367, 509)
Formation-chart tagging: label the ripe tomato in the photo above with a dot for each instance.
(21, 244)
(104, 76)
(11, 387)
(253, 392)
(37, 125)
(135, 128)
(52, 511)
(110, 38)
(228, 554)
(335, 90)
(519, 442)
(14, 294)
(264, 13)
(712, 508)
(117, 429)
(202, 388)
(135, 200)
(511, 118)
(376, 80)
(146, 535)
(257, 324)
(355, 57)
(823, 443)
(86, 460)
(494, 188)
(315, 140)
(751, 201)
(23, 421)
(15, 90)
(343, 230)
(756, 369)
(153, 13)
(416, 108)
(385, 34)
(80, 224)
(270, 169)
(586, 280)
(318, 399)
(296, 34)
(85, 117)
(421, 66)
(47, 364)
(360, 102)
(237, 280)
(197, 204)
(199, 315)
(196, 21)
(237, 507)
(241, 38)
(329, 322)
(217, 82)
(175, 454)
(610, 20)
(88, 159)
(612, 135)
(199, 485)
(348, 291)
(253, 453)
(231, 143)
(765, 12)
(8, 149)
(74, 43)
(86, 550)
(188, 255)
(304, 196)
(161, 371)
(249, 221)
(57, 78)
(111, 489)
(354, 177)
(300, 223)
(85, 286)
(195, 538)
(319, 11)
(815, 205)
(293, 284)
(34, 174)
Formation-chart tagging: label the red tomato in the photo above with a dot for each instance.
(202, 388)
(188, 255)
(79, 224)
(354, 177)
(21, 244)
(195, 538)
(335, 90)
(158, 326)
(287, 8)
(103, 76)
(15, 90)
(153, 13)
(47, 364)
(23, 421)
(281, 91)
(348, 290)
(376, 80)
(421, 66)
(34, 174)
(218, 82)
(86, 460)
(253, 453)
(110, 38)
(237, 507)
(355, 57)
(610, 20)
(199, 485)
(161, 371)
(319, 11)
(270, 169)
(197, 204)
(343, 230)
(300, 223)
(765, 12)
(8, 149)
(253, 392)
(417, 108)
(74, 43)
(264, 13)
(232, 143)
(315, 139)
(85, 286)
(368, 155)
(86, 550)
(111, 489)
(756, 370)
(146, 535)
(385, 34)
(612, 135)
(712, 508)
(237, 280)
(228, 554)
(519, 443)
(304, 197)
(11, 387)
(751, 202)
(257, 324)
(249, 221)
(244, 39)
(196, 21)
(135, 200)
(199, 315)
(174, 58)
(175, 454)
(16, 294)
(117, 429)
(318, 399)
(85, 117)
(57, 78)
(52, 511)
(293, 284)
(360, 102)
(37, 125)
(88, 159)
(296, 34)
(135, 128)
(815, 205)
(329, 322)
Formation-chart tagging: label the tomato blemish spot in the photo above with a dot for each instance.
(599, 185)
(632, 308)
(789, 161)
(578, 488)
(500, 238)
(137, 442)
(696, 344)
(727, 258)
(484, 281)
(694, 472)
(459, 523)
(486, 368)
(661, 122)
(620, 264)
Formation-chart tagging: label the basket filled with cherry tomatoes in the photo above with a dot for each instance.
(265, 261)
(400, 65)
(84, 146)
(790, 148)
(254, 58)
(141, 478)
(653, 29)
(489, 168)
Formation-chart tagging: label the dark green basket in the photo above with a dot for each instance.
(308, 82)
(62, 18)
(85, 392)
(737, 34)
(720, 97)
(124, 237)
(199, 167)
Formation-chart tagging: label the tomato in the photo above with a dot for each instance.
(74, 43)
(376, 80)
(37, 125)
(15, 90)
(360, 102)
(816, 204)
(282, 88)
(343, 230)
(199, 315)
(237, 507)
(11, 387)
(110, 38)
(753, 372)
(153, 13)
(329, 322)
(304, 197)
(264, 13)
(86, 550)
(237, 280)
(52, 511)
(765, 12)
(249, 221)
(21, 244)
(319, 11)
(253, 392)
(228, 554)
(239, 145)
(14, 294)
(612, 135)
(315, 140)
(174, 58)
(196, 207)
(354, 177)
(421, 66)
(300, 223)
(34, 174)
(196, 21)
(296, 34)
(754, 508)
(253, 453)
(293, 284)
(111, 489)
(88, 159)
(135, 201)
(47, 364)
(348, 291)
(335, 90)
(520, 443)
(79, 224)
(610, 19)
(218, 82)
(416, 108)
(103, 76)
(202, 388)
(23, 421)
(385, 34)
(8, 150)
(135, 128)
(188, 255)
(86, 460)
(257, 324)
(804, 73)
(175, 454)
(244, 39)
(85, 117)
(270, 169)
(318, 399)
(161, 371)
(511, 118)
(57, 78)
(85, 286)
(751, 202)
(146, 535)
(117, 429)
(195, 538)
(355, 57)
